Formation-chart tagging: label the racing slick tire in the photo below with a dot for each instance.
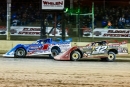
(20, 53)
(54, 52)
(111, 57)
(75, 55)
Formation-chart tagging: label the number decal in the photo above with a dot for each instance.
(100, 49)
(45, 46)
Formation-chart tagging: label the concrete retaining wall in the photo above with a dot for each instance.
(7, 45)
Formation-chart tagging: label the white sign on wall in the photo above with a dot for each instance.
(108, 33)
(31, 31)
(52, 4)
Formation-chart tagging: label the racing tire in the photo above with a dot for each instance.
(111, 57)
(75, 55)
(54, 52)
(20, 53)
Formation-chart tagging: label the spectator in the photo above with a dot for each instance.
(23, 21)
(59, 25)
(127, 21)
(104, 23)
(115, 24)
(109, 25)
(15, 22)
(28, 13)
(122, 21)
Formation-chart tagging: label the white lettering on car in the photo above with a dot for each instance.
(99, 49)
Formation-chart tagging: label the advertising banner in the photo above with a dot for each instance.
(52, 4)
(2, 30)
(32, 31)
(108, 33)
(97, 32)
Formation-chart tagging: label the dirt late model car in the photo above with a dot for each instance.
(102, 49)
(39, 48)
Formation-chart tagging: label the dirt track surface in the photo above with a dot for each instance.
(51, 73)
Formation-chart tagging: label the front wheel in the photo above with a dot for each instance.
(20, 52)
(75, 55)
(54, 52)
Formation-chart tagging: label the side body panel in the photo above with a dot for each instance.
(38, 49)
(93, 50)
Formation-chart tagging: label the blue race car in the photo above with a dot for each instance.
(40, 47)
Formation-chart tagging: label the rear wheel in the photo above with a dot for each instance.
(111, 57)
(75, 55)
(54, 52)
(20, 52)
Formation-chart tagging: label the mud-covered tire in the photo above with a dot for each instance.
(111, 57)
(75, 55)
(54, 52)
(20, 53)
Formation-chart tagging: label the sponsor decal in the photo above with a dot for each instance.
(2, 29)
(109, 33)
(97, 32)
(53, 4)
(47, 3)
(29, 31)
(32, 31)
(117, 33)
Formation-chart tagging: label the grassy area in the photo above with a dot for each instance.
(75, 39)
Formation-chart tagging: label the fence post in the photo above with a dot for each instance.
(8, 19)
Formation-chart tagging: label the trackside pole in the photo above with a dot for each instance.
(79, 21)
(63, 27)
(8, 19)
(92, 20)
(43, 26)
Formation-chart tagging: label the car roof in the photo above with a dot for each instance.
(100, 41)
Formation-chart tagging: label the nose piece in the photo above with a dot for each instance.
(57, 57)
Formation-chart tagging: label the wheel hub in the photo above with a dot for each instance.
(110, 56)
(20, 52)
(75, 56)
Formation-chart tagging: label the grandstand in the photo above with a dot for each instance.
(27, 13)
